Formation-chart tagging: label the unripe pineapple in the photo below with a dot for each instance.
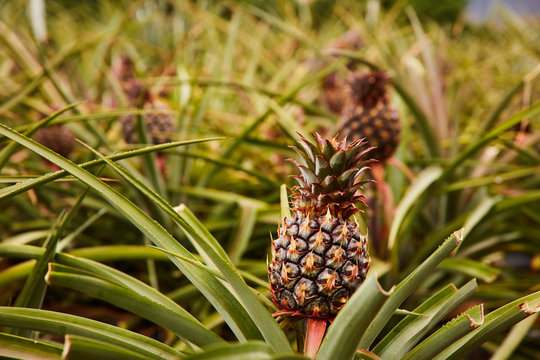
(371, 116)
(58, 138)
(320, 257)
(159, 126)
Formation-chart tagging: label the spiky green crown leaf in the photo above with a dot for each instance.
(368, 89)
(329, 175)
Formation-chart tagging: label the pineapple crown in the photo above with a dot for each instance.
(368, 89)
(329, 174)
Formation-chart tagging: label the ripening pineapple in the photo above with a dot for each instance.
(371, 116)
(320, 257)
(159, 126)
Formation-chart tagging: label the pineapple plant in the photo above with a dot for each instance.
(320, 256)
(370, 115)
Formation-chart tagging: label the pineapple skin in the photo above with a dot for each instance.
(378, 124)
(318, 262)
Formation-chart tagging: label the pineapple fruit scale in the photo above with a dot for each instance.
(320, 257)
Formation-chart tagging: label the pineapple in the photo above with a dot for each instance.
(160, 126)
(320, 257)
(370, 115)
(58, 138)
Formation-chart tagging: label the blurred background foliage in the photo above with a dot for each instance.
(253, 72)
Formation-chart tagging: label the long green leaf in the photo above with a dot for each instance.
(497, 178)
(447, 334)
(104, 271)
(406, 287)
(245, 351)
(344, 334)
(220, 195)
(62, 324)
(226, 164)
(187, 327)
(16, 272)
(472, 268)
(366, 355)
(194, 262)
(212, 288)
(468, 221)
(23, 186)
(479, 213)
(514, 338)
(411, 329)
(495, 322)
(424, 180)
(428, 134)
(33, 290)
(510, 203)
(16, 347)
(83, 348)
(108, 253)
(243, 234)
(492, 118)
(200, 335)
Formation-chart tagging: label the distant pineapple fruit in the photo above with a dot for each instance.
(320, 257)
(371, 116)
(58, 138)
(159, 126)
